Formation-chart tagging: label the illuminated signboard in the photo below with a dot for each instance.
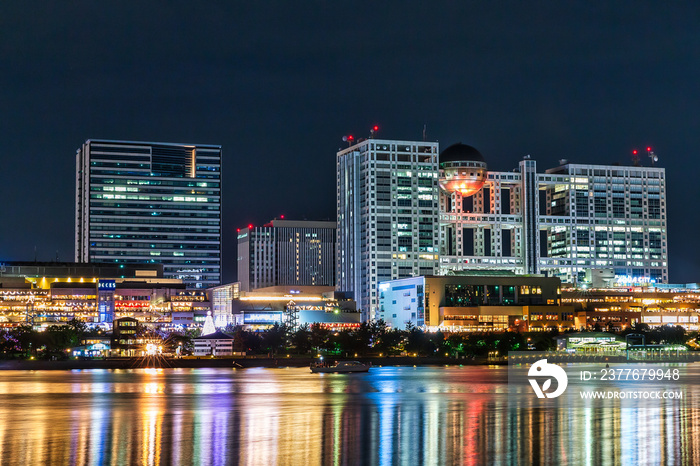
(260, 318)
(106, 285)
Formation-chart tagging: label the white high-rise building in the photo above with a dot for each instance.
(393, 220)
(387, 204)
(143, 202)
(565, 222)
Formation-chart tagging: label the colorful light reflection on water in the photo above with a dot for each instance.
(393, 415)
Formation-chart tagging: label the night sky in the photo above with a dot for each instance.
(278, 85)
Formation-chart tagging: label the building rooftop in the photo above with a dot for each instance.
(215, 336)
(461, 153)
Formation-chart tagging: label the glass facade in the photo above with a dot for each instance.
(151, 203)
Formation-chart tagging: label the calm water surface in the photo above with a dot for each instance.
(392, 415)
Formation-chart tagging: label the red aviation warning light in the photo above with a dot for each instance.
(250, 226)
(648, 149)
(635, 158)
(376, 128)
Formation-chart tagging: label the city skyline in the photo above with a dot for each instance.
(277, 88)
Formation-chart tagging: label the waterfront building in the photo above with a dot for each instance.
(621, 308)
(475, 303)
(97, 293)
(287, 252)
(214, 344)
(143, 202)
(293, 306)
(125, 341)
(578, 222)
(591, 342)
(222, 298)
(387, 215)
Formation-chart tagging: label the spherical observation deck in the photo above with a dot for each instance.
(462, 169)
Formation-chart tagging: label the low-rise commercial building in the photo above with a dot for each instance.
(214, 344)
(293, 306)
(53, 293)
(475, 303)
(619, 308)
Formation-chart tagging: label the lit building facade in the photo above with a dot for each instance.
(221, 302)
(475, 303)
(565, 222)
(260, 309)
(139, 202)
(387, 215)
(617, 309)
(575, 222)
(287, 253)
(43, 294)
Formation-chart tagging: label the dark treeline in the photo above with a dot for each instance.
(369, 339)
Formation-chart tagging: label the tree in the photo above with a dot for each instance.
(319, 337)
(301, 339)
(389, 341)
(26, 339)
(275, 338)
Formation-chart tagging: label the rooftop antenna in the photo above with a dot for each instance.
(654, 158)
(349, 139)
(374, 129)
(425, 132)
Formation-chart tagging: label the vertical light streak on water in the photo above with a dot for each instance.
(178, 444)
(651, 434)
(409, 442)
(152, 416)
(470, 427)
(607, 428)
(385, 411)
(337, 413)
(673, 433)
(4, 427)
(99, 419)
(630, 422)
(261, 415)
(81, 435)
(201, 419)
(587, 422)
(219, 444)
(431, 437)
(122, 444)
(689, 426)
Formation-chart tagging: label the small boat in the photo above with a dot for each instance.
(340, 366)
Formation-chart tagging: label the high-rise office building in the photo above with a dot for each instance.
(149, 202)
(387, 206)
(567, 222)
(287, 252)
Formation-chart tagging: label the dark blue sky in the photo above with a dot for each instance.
(278, 85)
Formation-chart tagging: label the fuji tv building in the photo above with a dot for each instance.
(581, 223)
(405, 211)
